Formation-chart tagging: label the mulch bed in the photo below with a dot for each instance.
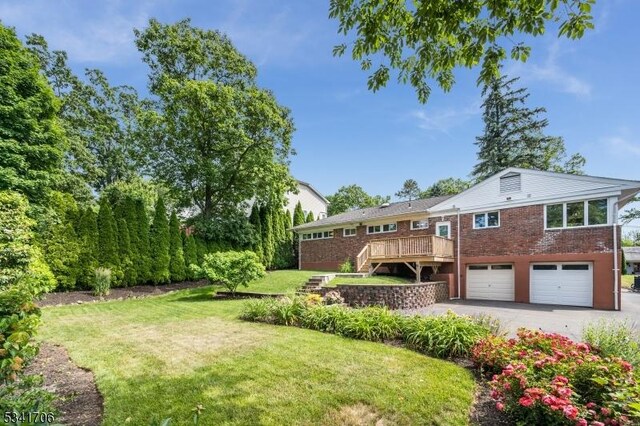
(78, 400)
(84, 296)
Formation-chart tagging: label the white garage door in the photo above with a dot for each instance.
(562, 284)
(490, 282)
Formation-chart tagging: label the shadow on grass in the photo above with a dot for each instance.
(196, 297)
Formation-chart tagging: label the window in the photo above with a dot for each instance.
(420, 224)
(317, 235)
(379, 229)
(575, 267)
(349, 232)
(478, 267)
(501, 267)
(443, 229)
(486, 220)
(545, 267)
(577, 213)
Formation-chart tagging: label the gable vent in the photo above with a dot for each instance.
(511, 182)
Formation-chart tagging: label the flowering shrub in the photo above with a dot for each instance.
(333, 298)
(545, 378)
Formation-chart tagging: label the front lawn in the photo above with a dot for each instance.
(374, 279)
(286, 281)
(162, 356)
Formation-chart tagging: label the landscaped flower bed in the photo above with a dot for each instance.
(545, 378)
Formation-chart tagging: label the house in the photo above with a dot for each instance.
(632, 259)
(521, 235)
(310, 199)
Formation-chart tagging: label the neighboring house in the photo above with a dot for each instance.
(310, 199)
(632, 259)
(521, 235)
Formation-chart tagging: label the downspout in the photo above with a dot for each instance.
(299, 252)
(616, 269)
(457, 255)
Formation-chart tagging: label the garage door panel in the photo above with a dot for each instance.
(562, 284)
(490, 282)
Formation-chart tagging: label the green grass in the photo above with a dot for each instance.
(161, 356)
(287, 281)
(375, 279)
(627, 281)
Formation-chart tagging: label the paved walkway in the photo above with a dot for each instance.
(560, 319)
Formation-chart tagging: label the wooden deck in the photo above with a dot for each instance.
(422, 250)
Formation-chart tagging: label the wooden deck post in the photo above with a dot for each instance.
(418, 271)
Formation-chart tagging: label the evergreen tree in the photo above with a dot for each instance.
(144, 250)
(514, 135)
(131, 219)
(268, 241)
(176, 265)
(201, 249)
(88, 256)
(31, 140)
(310, 217)
(108, 241)
(409, 190)
(129, 272)
(159, 244)
(190, 255)
(298, 215)
(289, 249)
(254, 219)
(278, 238)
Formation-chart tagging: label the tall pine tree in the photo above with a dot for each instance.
(159, 242)
(176, 265)
(514, 135)
(144, 249)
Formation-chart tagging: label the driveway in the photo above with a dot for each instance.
(566, 320)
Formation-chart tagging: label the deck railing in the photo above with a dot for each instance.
(404, 247)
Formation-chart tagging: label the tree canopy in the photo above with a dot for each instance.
(514, 136)
(425, 40)
(447, 186)
(353, 197)
(212, 135)
(409, 190)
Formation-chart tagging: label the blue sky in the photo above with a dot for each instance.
(346, 134)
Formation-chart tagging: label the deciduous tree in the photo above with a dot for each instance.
(446, 186)
(353, 197)
(425, 40)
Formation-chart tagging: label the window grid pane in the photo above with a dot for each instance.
(493, 219)
(554, 216)
(575, 214)
(597, 211)
(480, 220)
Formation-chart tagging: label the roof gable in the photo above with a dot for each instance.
(535, 187)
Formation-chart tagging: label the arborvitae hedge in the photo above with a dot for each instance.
(159, 242)
(130, 274)
(88, 256)
(108, 241)
(131, 220)
(176, 264)
(144, 250)
(201, 249)
(298, 219)
(190, 255)
(254, 219)
(268, 240)
(310, 217)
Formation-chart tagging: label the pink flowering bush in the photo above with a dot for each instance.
(545, 378)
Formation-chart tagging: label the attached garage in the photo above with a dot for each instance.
(490, 282)
(562, 283)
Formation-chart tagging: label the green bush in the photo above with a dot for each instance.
(371, 323)
(159, 245)
(443, 336)
(102, 282)
(176, 252)
(232, 269)
(614, 339)
(346, 267)
(258, 310)
(288, 310)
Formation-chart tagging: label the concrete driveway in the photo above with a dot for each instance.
(566, 320)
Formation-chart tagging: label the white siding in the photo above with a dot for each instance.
(309, 200)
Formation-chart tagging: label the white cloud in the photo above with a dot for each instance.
(100, 34)
(444, 119)
(552, 72)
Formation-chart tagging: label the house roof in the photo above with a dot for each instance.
(631, 254)
(315, 191)
(371, 213)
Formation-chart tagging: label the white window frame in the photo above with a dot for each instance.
(447, 224)
(382, 225)
(419, 220)
(308, 236)
(486, 220)
(344, 232)
(586, 214)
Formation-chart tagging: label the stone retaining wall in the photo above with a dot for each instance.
(393, 296)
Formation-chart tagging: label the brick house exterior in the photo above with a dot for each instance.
(522, 240)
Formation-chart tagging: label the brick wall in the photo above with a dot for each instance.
(401, 296)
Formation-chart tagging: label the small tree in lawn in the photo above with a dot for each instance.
(232, 269)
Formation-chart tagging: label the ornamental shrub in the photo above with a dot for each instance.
(614, 339)
(346, 267)
(102, 282)
(546, 378)
(159, 245)
(176, 264)
(232, 269)
(443, 336)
